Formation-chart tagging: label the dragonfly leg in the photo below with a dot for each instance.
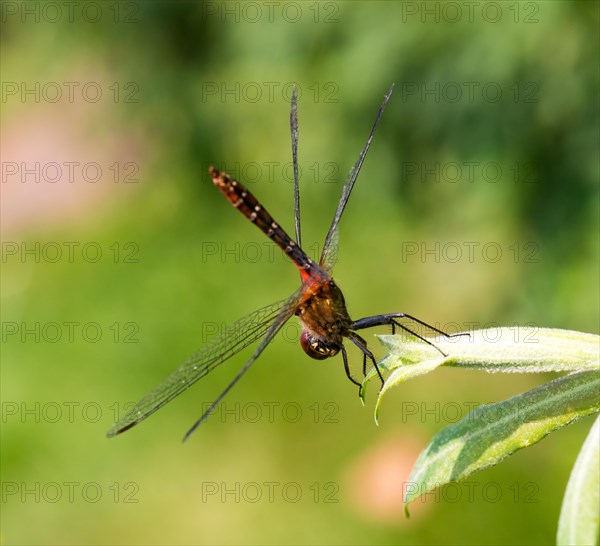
(347, 368)
(390, 319)
(362, 345)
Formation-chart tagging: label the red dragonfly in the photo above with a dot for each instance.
(318, 303)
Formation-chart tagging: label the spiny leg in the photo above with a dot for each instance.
(389, 319)
(362, 345)
(347, 368)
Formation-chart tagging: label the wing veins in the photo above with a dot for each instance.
(349, 184)
(274, 327)
(294, 133)
(219, 348)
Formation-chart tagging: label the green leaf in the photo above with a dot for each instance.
(579, 517)
(492, 432)
(493, 350)
(507, 350)
(402, 374)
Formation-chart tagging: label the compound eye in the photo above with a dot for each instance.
(314, 347)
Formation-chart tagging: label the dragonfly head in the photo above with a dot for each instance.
(316, 347)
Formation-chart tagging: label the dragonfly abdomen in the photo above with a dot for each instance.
(243, 200)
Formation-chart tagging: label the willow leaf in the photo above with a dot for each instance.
(580, 513)
(506, 350)
(492, 432)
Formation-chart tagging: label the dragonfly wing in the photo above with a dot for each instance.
(330, 258)
(280, 320)
(231, 340)
(294, 131)
(349, 184)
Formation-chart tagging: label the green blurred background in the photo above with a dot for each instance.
(489, 143)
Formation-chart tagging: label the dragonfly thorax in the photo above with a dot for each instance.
(324, 318)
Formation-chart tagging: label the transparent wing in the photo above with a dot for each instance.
(231, 340)
(294, 131)
(348, 185)
(330, 259)
(276, 325)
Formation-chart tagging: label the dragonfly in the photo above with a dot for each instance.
(318, 303)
